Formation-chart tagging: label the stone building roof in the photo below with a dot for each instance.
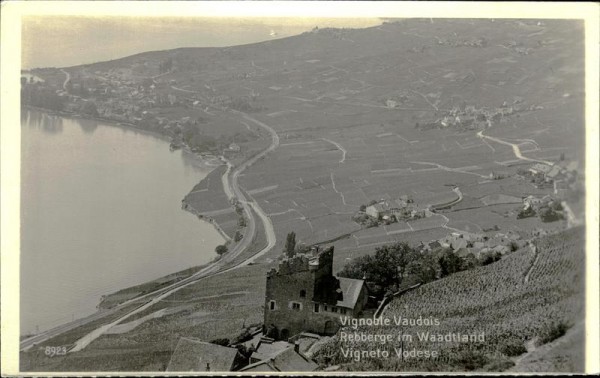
(288, 361)
(194, 355)
(269, 349)
(351, 289)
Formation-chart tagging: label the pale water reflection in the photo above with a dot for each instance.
(100, 211)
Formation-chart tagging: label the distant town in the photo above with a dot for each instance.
(441, 160)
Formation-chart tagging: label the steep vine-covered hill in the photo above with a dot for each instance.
(519, 304)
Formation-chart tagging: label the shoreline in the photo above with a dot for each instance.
(186, 207)
(191, 269)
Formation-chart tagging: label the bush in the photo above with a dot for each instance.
(221, 249)
(551, 332)
(470, 360)
(238, 236)
(526, 213)
(512, 348)
(222, 342)
(549, 215)
(491, 258)
(500, 364)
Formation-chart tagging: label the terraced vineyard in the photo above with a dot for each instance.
(495, 300)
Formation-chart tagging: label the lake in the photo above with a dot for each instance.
(100, 211)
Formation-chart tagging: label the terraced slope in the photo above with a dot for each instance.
(513, 314)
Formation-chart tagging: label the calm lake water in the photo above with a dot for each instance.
(100, 211)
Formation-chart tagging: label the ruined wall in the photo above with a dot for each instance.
(296, 282)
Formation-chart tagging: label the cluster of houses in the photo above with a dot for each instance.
(303, 303)
(479, 245)
(268, 355)
(401, 209)
(473, 42)
(560, 175)
(122, 95)
(470, 117)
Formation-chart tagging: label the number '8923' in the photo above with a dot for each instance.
(52, 351)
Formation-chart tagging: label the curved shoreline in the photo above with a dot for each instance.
(185, 206)
(163, 138)
(212, 268)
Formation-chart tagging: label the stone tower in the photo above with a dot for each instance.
(300, 293)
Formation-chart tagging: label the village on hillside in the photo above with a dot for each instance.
(428, 173)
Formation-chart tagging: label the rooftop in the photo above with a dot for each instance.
(289, 361)
(194, 355)
(351, 289)
(269, 349)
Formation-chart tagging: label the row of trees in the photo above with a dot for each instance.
(292, 248)
(391, 265)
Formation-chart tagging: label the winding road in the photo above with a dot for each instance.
(66, 80)
(515, 147)
(231, 187)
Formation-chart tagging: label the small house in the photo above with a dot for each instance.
(379, 210)
(539, 169)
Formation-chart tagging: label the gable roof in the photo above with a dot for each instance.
(541, 167)
(288, 361)
(269, 349)
(351, 289)
(554, 171)
(193, 355)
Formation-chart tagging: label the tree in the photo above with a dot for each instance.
(238, 236)
(89, 108)
(388, 267)
(403, 255)
(363, 207)
(549, 215)
(449, 263)
(526, 213)
(357, 268)
(425, 268)
(301, 248)
(221, 249)
(290, 244)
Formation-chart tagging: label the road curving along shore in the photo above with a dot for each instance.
(149, 299)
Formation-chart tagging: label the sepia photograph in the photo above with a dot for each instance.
(250, 188)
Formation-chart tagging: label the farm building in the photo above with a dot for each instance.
(303, 295)
(561, 188)
(540, 169)
(554, 172)
(380, 210)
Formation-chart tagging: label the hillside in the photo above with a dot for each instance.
(408, 107)
(518, 303)
(444, 111)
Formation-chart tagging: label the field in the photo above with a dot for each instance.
(350, 107)
(512, 302)
(358, 115)
(217, 307)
